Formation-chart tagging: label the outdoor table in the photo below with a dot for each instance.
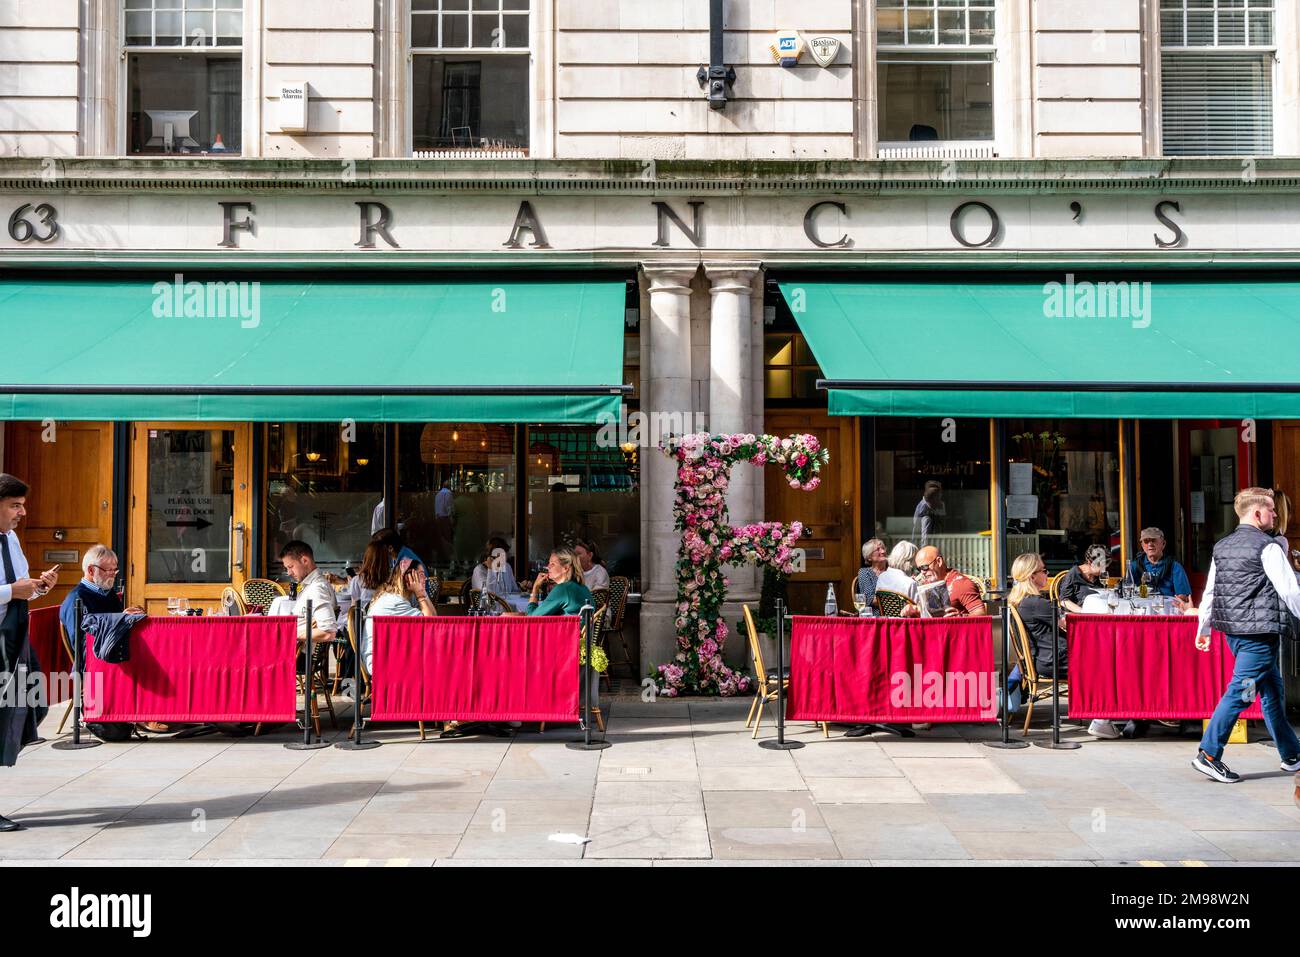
(1146, 667)
(892, 670)
(196, 669)
(1097, 604)
(475, 669)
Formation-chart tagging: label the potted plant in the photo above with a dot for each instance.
(599, 665)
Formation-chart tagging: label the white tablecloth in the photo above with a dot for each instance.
(1096, 604)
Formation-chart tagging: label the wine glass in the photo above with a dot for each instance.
(859, 602)
(1112, 600)
(182, 606)
(173, 604)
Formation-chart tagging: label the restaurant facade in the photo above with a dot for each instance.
(361, 323)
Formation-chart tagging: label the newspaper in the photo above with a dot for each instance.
(933, 599)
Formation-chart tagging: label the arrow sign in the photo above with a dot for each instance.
(199, 524)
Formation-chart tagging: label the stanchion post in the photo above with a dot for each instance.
(780, 744)
(1005, 742)
(307, 744)
(356, 744)
(586, 744)
(1056, 744)
(78, 663)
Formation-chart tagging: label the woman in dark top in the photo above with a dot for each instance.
(1029, 575)
(1084, 580)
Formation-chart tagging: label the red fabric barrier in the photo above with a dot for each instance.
(43, 633)
(892, 669)
(1127, 666)
(476, 669)
(198, 669)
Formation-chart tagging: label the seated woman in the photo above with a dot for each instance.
(874, 562)
(898, 576)
(1085, 579)
(594, 575)
(568, 594)
(493, 572)
(398, 588)
(1029, 577)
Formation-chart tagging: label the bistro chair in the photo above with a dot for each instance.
(432, 585)
(600, 598)
(1037, 687)
(765, 687)
(597, 620)
(67, 646)
(619, 586)
(232, 602)
(1054, 586)
(362, 683)
(893, 604)
(262, 591)
(320, 665)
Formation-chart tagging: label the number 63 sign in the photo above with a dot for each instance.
(23, 230)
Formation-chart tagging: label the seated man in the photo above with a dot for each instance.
(1165, 576)
(99, 574)
(963, 594)
(300, 562)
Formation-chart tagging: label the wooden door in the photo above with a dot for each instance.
(69, 466)
(191, 509)
(1286, 472)
(832, 513)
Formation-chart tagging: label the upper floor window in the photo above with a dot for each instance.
(934, 71)
(184, 76)
(1216, 77)
(469, 77)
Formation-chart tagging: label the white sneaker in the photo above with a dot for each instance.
(1103, 729)
(1292, 765)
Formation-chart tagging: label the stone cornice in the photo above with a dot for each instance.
(650, 178)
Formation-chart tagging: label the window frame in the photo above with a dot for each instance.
(935, 53)
(412, 52)
(126, 51)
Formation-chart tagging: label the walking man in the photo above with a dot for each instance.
(18, 716)
(1248, 593)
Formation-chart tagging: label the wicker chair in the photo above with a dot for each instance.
(476, 594)
(892, 604)
(261, 591)
(613, 625)
(765, 682)
(1054, 586)
(67, 646)
(1037, 686)
(232, 602)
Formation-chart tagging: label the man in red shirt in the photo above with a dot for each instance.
(963, 594)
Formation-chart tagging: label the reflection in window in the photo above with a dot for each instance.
(456, 489)
(184, 103)
(932, 487)
(580, 486)
(1062, 488)
(322, 490)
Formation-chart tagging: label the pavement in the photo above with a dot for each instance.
(682, 784)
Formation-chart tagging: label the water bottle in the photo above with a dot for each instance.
(832, 609)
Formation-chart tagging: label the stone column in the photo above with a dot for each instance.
(666, 354)
(731, 391)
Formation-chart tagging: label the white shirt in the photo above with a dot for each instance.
(317, 588)
(596, 578)
(385, 603)
(21, 570)
(891, 579)
(442, 504)
(1280, 575)
(502, 583)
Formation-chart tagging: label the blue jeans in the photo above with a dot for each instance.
(1256, 673)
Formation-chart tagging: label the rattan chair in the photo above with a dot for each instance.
(1054, 586)
(262, 591)
(765, 682)
(892, 604)
(476, 594)
(67, 646)
(597, 621)
(600, 598)
(232, 602)
(1037, 687)
(613, 625)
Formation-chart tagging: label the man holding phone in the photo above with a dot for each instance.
(18, 719)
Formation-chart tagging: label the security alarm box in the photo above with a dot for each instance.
(293, 107)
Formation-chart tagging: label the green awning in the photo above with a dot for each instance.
(277, 350)
(1069, 349)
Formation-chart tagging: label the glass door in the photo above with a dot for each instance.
(190, 513)
(1215, 464)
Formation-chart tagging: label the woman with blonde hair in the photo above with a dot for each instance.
(399, 588)
(1029, 581)
(568, 594)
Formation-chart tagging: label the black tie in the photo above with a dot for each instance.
(10, 577)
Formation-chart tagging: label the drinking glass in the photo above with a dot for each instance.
(172, 605)
(182, 606)
(860, 602)
(1112, 600)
